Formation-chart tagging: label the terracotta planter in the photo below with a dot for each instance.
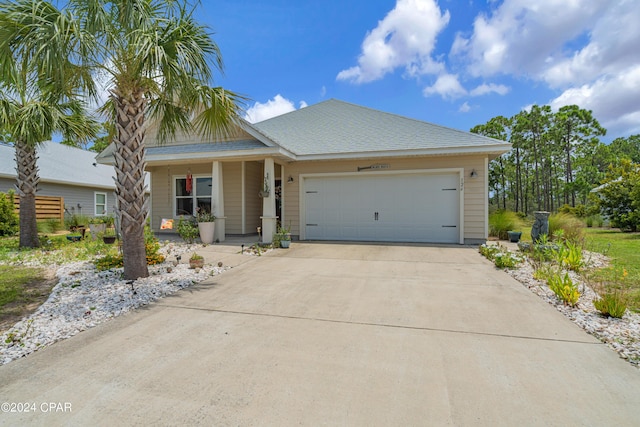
(207, 230)
(196, 263)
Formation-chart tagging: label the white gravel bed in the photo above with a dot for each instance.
(622, 335)
(85, 297)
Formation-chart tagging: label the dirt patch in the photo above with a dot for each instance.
(35, 293)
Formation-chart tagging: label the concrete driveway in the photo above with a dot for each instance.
(334, 334)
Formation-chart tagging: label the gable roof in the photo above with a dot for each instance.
(335, 128)
(61, 164)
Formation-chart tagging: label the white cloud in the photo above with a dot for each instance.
(484, 89)
(613, 99)
(613, 45)
(586, 49)
(465, 108)
(524, 37)
(447, 86)
(323, 91)
(273, 107)
(406, 38)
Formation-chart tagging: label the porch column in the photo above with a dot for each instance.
(268, 201)
(217, 201)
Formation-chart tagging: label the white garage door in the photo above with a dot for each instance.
(392, 208)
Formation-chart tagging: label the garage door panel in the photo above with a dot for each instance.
(408, 207)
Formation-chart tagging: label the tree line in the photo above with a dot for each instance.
(557, 159)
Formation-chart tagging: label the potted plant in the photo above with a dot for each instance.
(109, 236)
(266, 191)
(284, 237)
(514, 236)
(97, 225)
(206, 225)
(196, 261)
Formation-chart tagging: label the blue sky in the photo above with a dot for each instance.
(454, 63)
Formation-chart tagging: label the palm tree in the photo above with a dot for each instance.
(32, 108)
(159, 63)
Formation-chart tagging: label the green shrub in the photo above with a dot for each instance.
(50, 225)
(612, 303)
(572, 257)
(506, 260)
(500, 256)
(76, 220)
(572, 228)
(188, 229)
(502, 221)
(489, 251)
(9, 221)
(564, 288)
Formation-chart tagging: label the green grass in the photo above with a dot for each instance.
(55, 249)
(14, 281)
(624, 251)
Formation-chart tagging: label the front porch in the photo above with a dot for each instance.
(246, 196)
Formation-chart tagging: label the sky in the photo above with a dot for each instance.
(453, 63)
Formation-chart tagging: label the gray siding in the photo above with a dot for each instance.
(73, 196)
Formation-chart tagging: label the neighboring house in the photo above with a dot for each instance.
(86, 186)
(330, 171)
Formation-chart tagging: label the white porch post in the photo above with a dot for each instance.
(217, 201)
(268, 203)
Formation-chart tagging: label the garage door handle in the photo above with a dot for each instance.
(312, 225)
(375, 216)
(449, 226)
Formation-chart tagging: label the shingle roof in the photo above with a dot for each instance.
(337, 127)
(205, 147)
(62, 164)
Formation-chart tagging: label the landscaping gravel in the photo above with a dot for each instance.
(85, 297)
(622, 335)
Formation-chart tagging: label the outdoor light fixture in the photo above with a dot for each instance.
(473, 174)
(290, 179)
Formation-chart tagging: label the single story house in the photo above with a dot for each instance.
(329, 171)
(72, 173)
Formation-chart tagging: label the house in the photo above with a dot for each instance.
(86, 186)
(330, 171)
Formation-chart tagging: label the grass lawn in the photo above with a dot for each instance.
(624, 251)
(22, 289)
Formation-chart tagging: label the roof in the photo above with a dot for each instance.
(330, 130)
(61, 164)
(335, 127)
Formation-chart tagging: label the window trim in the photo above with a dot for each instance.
(95, 203)
(193, 194)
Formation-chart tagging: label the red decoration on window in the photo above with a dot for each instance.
(189, 184)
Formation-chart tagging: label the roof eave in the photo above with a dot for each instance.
(496, 150)
(156, 159)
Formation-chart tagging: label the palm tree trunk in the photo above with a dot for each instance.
(27, 183)
(130, 188)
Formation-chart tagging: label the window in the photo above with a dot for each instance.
(100, 204)
(200, 195)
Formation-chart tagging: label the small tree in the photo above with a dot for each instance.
(619, 196)
(9, 224)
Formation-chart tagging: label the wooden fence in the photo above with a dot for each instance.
(47, 207)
